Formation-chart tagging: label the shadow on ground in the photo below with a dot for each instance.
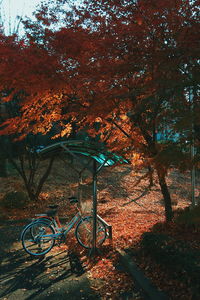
(58, 275)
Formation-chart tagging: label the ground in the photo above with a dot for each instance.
(126, 203)
(51, 277)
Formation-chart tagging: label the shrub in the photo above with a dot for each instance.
(189, 217)
(16, 199)
(177, 256)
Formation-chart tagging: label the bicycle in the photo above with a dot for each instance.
(50, 217)
(39, 237)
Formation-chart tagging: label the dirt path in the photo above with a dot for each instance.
(22, 277)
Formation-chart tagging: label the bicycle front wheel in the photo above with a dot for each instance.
(84, 232)
(42, 241)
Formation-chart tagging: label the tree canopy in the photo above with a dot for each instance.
(123, 69)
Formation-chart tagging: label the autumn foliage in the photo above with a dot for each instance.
(122, 203)
(126, 67)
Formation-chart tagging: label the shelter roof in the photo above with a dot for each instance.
(79, 147)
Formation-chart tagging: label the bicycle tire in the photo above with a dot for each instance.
(40, 244)
(84, 232)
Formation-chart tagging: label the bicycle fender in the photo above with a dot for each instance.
(44, 220)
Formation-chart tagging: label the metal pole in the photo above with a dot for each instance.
(193, 179)
(94, 206)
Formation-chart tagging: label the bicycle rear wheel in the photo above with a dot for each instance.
(84, 232)
(42, 241)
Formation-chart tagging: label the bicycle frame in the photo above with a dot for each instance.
(54, 218)
(73, 221)
(61, 230)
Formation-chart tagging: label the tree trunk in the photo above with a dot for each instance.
(31, 193)
(166, 196)
(33, 189)
(44, 177)
(3, 167)
(150, 173)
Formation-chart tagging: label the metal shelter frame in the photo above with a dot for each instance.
(100, 157)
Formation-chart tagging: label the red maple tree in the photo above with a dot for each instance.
(124, 66)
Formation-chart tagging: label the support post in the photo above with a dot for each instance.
(193, 180)
(94, 207)
(192, 150)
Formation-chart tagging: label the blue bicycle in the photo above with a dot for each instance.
(40, 236)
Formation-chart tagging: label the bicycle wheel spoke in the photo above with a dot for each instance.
(38, 238)
(84, 232)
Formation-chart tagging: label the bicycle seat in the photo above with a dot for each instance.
(53, 206)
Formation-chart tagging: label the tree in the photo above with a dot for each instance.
(24, 161)
(13, 30)
(140, 68)
(23, 155)
(111, 62)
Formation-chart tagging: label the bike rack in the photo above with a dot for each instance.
(108, 226)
